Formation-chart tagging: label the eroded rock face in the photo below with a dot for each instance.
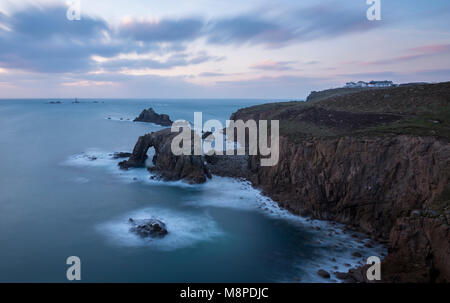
(419, 250)
(148, 228)
(149, 115)
(190, 168)
(364, 182)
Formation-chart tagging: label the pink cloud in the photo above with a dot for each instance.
(273, 65)
(414, 53)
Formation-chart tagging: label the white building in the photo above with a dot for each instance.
(381, 83)
(356, 84)
(369, 84)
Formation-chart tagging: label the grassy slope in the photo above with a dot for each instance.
(422, 110)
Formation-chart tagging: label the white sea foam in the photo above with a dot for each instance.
(92, 158)
(334, 246)
(184, 229)
(120, 118)
(105, 160)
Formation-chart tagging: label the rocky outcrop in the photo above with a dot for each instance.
(419, 250)
(190, 168)
(149, 115)
(148, 228)
(119, 155)
(323, 273)
(233, 166)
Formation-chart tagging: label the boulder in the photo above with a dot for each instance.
(148, 228)
(323, 273)
(119, 155)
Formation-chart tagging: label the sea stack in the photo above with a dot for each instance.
(149, 115)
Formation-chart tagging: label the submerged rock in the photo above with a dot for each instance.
(119, 155)
(146, 228)
(149, 115)
(323, 273)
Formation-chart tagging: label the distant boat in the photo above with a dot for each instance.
(76, 101)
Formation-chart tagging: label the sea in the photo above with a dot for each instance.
(62, 194)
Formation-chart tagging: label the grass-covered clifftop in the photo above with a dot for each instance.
(422, 110)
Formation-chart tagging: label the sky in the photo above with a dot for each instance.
(216, 48)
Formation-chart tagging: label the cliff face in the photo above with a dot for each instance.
(419, 250)
(380, 186)
(366, 182)
(380, 172)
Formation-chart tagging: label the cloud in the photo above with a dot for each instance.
(41, 39)
(269, 65)
(247, 29)
(332, 19)
(315, 22)
(211, 74)
(414, 53)
(432, 49)
(51, 21)
(166, 30)
(176, 60)
(322, 21)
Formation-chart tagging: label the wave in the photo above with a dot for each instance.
(184, 229)
(105, 160)
(334, 246)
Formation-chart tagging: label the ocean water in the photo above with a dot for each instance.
(56, 202)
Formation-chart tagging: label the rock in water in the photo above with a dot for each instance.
(146, 228)
(119, 155)
(190, 168)
(323, 273)
(149, 115)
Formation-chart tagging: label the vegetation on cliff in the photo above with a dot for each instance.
(422, 110)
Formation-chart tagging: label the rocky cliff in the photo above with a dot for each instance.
(367, 182)
(380, 172)
(169, 167)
